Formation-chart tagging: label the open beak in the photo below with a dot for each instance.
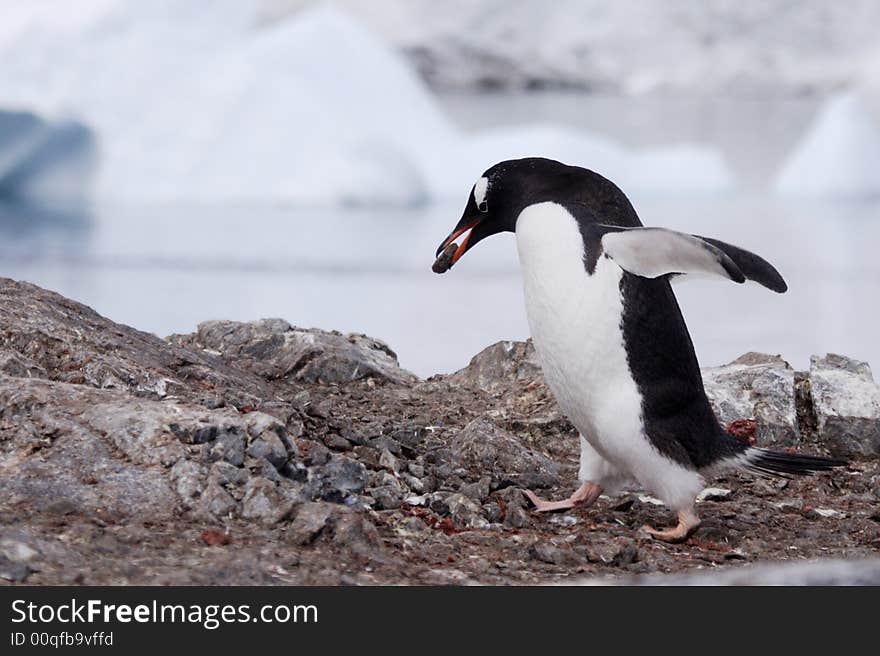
(455, 234)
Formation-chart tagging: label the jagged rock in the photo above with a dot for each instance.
(225, 474)
(465, 512)
(387, 497)
(311, 518)
(229, 446)
(846, 403)
(266, 501)
(760, 387)
(15, 364)
(57, 438)
(336, 524)
(270, 447)
(485, 450)
(274, 349)
(216, 501)
(338, 479)
(188, 478)
(65, 341)
(499, 365)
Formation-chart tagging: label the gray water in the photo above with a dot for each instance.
(164, 268)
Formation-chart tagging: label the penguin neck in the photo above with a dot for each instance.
(551, 254)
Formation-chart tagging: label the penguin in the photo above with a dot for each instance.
(611, 339)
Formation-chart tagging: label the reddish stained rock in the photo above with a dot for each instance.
(745, 430)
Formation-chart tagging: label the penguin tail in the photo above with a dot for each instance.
(766, 462)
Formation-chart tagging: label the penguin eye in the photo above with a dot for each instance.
(483, 207)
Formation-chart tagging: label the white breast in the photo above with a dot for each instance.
(575, 321)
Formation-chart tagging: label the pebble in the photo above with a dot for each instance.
(714, 494)
(826, 513)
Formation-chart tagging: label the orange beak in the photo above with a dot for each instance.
(455, 235)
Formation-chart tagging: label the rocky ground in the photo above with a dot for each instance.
(261, 453)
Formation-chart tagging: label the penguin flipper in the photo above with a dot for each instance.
(754, 267)
(654, 252)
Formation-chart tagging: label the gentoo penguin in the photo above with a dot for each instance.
(607, 328)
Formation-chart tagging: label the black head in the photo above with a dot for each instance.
(506, 189)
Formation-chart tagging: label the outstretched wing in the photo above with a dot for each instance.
(655, 252)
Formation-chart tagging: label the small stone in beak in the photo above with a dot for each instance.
(444, 261)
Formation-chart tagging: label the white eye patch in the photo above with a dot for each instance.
(480, 189)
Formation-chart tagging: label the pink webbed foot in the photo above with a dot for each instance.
(687, 524)
(585, 495)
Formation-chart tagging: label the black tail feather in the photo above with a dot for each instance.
(779, 463)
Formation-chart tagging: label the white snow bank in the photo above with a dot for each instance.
(838, 157)
(199, 101)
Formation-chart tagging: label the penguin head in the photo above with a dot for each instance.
(494, 202)
(499, 196)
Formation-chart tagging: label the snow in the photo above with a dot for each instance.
(839, 157)
(206, 102)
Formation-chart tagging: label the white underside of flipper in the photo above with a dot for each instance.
(575, 321)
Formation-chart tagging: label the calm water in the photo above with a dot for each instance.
(165, 268)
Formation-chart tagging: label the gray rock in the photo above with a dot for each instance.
(274, 349)
(547, 552)
(499, 365)
(484, 449)
(465, 512)
(226, 474)
(61, 340)
(217, 501)
(387, 497)
(314, 453)
(265, 501)
(760, 387)
(479, 490)
(338, 479)
(15, 364)
(270, 447)
(189, 480)
(514, 512)
(414, 484)
(229, 446)
(13, 571)
(356, 533)
(311, 518)
(714, 494)
(846, 402)
(626, 556)
(336, 442)
(388, 461)
(18, 551)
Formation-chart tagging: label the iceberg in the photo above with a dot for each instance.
(203, 102)
(838, 157)
(39, 159)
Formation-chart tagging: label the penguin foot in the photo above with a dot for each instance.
(585, 495)
(687, 524)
